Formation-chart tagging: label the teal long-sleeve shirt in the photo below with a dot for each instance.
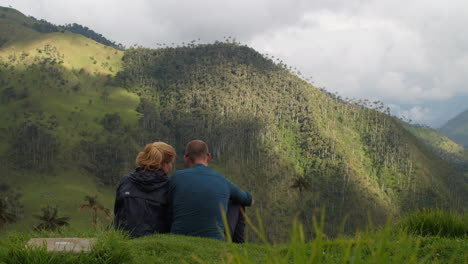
(197, 195)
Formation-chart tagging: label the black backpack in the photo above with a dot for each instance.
(142, 208)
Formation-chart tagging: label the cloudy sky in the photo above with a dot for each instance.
(410, 54)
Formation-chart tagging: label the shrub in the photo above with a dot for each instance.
(435, 222)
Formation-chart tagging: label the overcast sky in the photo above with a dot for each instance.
(411, 54)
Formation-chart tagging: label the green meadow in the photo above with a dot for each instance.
(67, 190)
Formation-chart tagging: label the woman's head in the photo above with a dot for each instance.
(155, 156)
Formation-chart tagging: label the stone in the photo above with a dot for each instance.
(76, 245)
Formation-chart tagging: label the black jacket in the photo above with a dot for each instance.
(141, 203)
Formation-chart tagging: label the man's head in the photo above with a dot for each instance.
(196, 152)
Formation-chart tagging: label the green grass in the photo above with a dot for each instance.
(432, 222)
(110, 248)
(66, 184)
(11, 26)
(381, 246)
(78, 51)
(66, 189)
(14, 15)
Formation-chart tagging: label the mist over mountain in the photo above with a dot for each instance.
(76, 112)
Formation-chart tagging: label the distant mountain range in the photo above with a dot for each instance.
(457, 129)
(75, 112)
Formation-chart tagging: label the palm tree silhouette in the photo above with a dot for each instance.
(50, 220)
(92, 203)
(6, 217)
(301, 183)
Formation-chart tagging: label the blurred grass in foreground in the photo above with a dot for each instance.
(429, 222)
(391, 244)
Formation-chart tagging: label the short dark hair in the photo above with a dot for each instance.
(196, 149)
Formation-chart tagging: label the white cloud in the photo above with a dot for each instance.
(408, 57)
(339, 47)
(149, 22)
(417, 114)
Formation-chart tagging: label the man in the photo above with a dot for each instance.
(199, 193)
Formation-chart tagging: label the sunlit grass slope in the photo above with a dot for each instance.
(65, 188)
(73, 50)
(76, 51)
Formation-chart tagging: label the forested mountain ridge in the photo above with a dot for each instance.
(457, 129)
(295, 147)
(443, 146)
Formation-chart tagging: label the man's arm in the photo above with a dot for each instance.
(170, 200)
(242, 197)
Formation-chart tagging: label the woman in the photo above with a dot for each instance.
(141, 204)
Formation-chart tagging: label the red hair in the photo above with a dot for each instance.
(154, 155)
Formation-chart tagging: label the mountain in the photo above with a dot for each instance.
(457, 129)
(76, 112)
(334, 153)
(443, 146)
(12, 17)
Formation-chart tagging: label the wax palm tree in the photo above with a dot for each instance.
(301, 183)
(92, 203)
(6, 217)
(50, 220)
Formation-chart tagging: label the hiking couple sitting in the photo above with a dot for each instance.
(190, 203)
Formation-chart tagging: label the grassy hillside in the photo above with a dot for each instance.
(10, 21)
(72, 51)
(56, 88)
(442, 145)
(457, 129)
(75, 114)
